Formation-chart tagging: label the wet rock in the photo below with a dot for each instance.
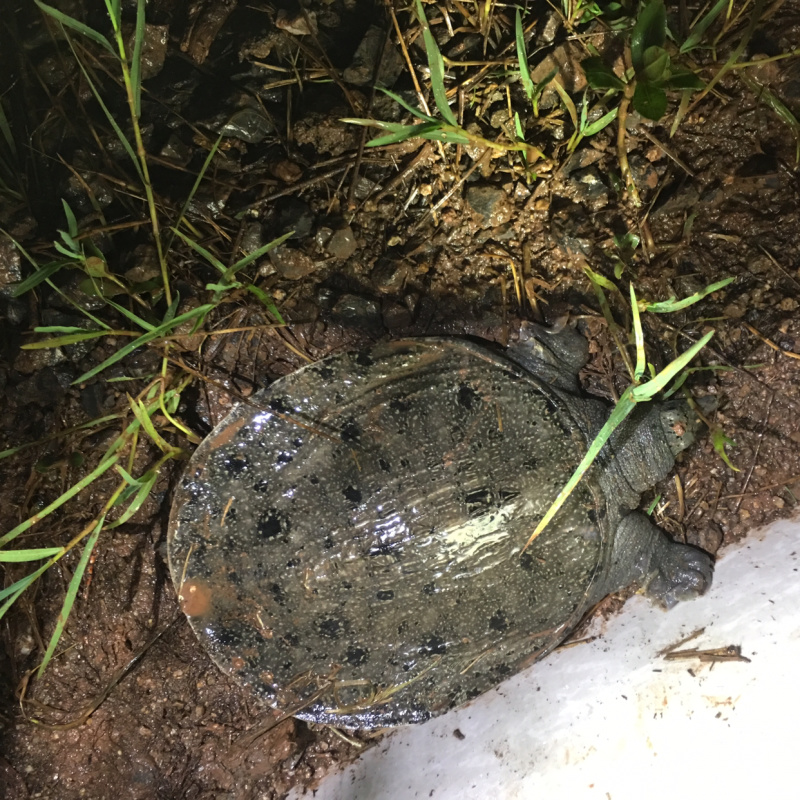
(590, 186)
(154, 49)
(286, 171)
(396, 316)
(176, 151)
(374, 51)
(643, 172)
(30, 361)
(355, 310)
(568, 226)
(44, 387)
(10, 268)
(290, 263)
(491, 203)
(325, 134)
(298, 24)
(390, 276)
(205, 22)
(342, 243)
(248, 124)
(295, 215)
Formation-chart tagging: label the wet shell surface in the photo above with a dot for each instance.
(348, 543)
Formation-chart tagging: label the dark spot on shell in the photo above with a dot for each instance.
(284, 458)
(351, 431)
(526, 561)
(292, 562)
(356, 656)
(435, 646)
(384, 464)
(352, 494)
(499, 621)
(399, 406)
(235, 466)
(592, 514)
(280, 405)
(429, 588)
(298, 442)
(261, 486)
(271, 524)
(502, 670)
(278, 594)
(292, 639)
(530, 463)
(404, 463)
(468, 397)
(230, 515)
(328, 542)
(472, 693)
(331, 628)
(385, 594)
(364, 359)
(313, 480)
(326, 373)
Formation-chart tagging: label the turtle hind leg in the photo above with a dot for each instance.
(668, 571)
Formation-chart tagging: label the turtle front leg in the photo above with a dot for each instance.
(668, 571)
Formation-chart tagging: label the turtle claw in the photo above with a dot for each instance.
(682, 573)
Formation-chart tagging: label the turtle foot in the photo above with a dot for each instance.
(682, 573)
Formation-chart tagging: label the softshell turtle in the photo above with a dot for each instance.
(349, 542)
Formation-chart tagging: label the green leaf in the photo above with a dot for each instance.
(650, 101)
(599, 75)
(436, 65)
(683, 79)
(656, 63)
(72, 224)
(267, 301)
(702, 26)
(719, 440)
(69, 22)
(650, 30)
(405, 132)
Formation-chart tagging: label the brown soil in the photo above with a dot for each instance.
(166, 722)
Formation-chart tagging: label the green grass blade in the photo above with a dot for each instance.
(647, 390)
(34, 554)
(79, 27)
(72, 592)
(702, 26)
(212, 259)
(638, 337)
(618, 415)
(18, 587)
(136, 59)
(668, 306)
(522, 57)
(134, 318)
(161, 330)
(250, 257)
(140, 412)
(436, 65)
(425, 130)
(601, 123)
(75, 489)
(267, 301)
(123, 139)
(407, 106)
(42, 274)
(147, 481)
(70, 338)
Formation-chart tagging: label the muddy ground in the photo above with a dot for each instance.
(404, 240)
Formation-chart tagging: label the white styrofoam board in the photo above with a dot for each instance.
(613, 719)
